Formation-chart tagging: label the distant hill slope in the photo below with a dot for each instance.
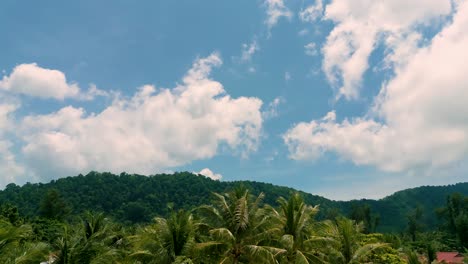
(396, 206)
(136, 198)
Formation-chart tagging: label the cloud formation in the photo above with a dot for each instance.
(248, 50)
(360, 26)
(210, 174)
(153, 130)
(419, 119)
(312, 12)
(6, 110)
(275, 10)
(9, 168)
(33, 80)
(272, 110)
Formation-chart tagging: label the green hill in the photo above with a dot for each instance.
(137, 198)
(396, 206)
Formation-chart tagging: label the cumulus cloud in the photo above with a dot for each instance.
(419, 119)
(6, 110)
(154, 130)
(275, 10)
(401, 48)
(9, 168)
(33, 80)
(210, 174)
(92, 93)
(360, 26)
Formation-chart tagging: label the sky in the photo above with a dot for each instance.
(344, 99)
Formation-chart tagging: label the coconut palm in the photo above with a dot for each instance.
(92, 242)
(239, 230)
(16, 247)
(167, 240)
(295, 221)
(346, 245)
(412, 257)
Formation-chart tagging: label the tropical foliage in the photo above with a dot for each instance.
(235, 226)
(131, 199)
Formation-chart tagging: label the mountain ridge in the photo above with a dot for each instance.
(138, 198)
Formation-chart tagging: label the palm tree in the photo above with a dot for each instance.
(239, 230)
(296, 224)
(346, 244)
(91, 242)
(167, 240)
(16, 246)
(412, 257)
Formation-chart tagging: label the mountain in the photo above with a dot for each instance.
(137, 198)
(396, 207)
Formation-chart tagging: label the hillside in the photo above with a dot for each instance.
(396, 206)
(137, 198)
(134, 198)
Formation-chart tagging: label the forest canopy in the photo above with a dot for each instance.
(237, 224)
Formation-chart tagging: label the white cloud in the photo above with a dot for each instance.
(208, 173)
(155, 129)
(6, 110)
(418, 121)
(275, 10)
(248, 50)
(272, 109)
(287, 76)
(311, 49)
(92, 93)
(10, 170)
(312, 12)
(32, 80)
(345, 57)
(361, 25)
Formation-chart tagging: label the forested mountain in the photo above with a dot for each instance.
(394, 210)
(136, 198)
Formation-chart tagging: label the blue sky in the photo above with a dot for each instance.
(346, 99)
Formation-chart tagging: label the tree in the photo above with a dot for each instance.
(53, 206)
(362, 213)
(414, 222)
(16, 246)
(239, 229)
(11, 214)
(296, 222)
(347, 246)
(91, 242)
(412, 257)
(455, 214)
(167, 240)
(135, 212)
